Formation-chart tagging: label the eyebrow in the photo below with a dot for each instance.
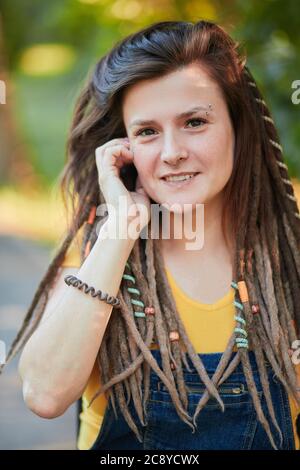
(189, 112)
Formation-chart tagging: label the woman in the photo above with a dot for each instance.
(200, 352)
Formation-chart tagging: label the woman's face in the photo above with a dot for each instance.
(204, 139)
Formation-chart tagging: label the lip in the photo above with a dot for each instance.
(179, 184)
(180, 174)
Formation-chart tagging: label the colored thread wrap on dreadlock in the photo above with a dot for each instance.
(132, 290)
(241, 342)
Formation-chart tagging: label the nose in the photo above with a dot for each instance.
(173, 157)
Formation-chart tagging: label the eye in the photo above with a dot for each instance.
(197, 119)
(203, 121)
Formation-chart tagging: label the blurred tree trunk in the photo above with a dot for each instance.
(15, 167)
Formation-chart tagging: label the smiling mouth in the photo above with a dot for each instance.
(180, 182)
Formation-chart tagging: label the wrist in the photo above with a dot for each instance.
(121, 229)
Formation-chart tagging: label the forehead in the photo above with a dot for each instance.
(174, 92)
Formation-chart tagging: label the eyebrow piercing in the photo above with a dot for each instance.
(210, 108)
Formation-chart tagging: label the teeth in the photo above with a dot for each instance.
(179, 178)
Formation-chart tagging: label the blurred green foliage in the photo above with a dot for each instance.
(43, 103)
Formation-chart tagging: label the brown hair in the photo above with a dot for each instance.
(260, 206)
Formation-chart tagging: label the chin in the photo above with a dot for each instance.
(183, 205)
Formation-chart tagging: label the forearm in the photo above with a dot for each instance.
(58, 358)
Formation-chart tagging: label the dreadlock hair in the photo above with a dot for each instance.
(265, 221)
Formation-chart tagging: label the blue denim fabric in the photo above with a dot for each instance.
(236, 428)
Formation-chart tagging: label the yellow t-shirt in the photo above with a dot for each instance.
(200, 321)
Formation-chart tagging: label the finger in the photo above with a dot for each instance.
(120, 154)
(123, 158)
(113, 142)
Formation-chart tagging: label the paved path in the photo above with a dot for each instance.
(22, 265)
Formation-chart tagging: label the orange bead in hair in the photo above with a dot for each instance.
(255, 309)
(243, 291)
(149, 311)
(92, 215)
(174, 335)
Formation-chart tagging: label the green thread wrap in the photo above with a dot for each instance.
(133, 290)
(240, 342)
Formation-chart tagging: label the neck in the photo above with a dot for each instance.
(213, 243)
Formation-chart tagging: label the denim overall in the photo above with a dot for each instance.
(236, 428)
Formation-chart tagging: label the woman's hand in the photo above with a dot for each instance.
(110, 157)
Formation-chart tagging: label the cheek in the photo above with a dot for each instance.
(144, 169)
(220, 155)
(143, 161)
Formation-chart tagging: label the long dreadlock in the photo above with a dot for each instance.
(267, 260)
